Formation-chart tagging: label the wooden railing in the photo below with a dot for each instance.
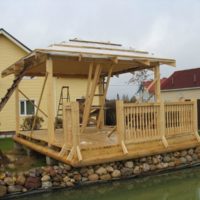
(148, 121)
(179, 117)
(71, 128)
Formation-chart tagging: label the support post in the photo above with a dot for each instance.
(162, 124)
(120, 125)
(50, 101)
(195, 121)
(157, 84)
(17, 119)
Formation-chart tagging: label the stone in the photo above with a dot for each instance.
(177, 154)
(116, 173)
(69, 184)
(146, 167)
(45, 178)
(11, 166)
(171, 164)
(3, 190)
(93, 177)
(46, 184)
(83, 170)
(136, 170)
(77, 177)
(183, 153)
(109, 169)
(66, 179)
(9, 181)
(105, 177)
(14, 188)
(84, 179)
(32, 183)
(152, 167)
(143, 160)
(183, 160)
(129, 164)
(165, 165)
(100, 171)
(194, 156)
(67, 167)
(126, 171)
(197, 150)
(2, 175)
(167, 158)
(20, 180)
(155, 160)
(190, 152)
(189, 158)
(90, 171)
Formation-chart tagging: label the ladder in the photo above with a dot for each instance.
(64, 96)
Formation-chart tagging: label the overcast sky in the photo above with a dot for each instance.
(170, 28)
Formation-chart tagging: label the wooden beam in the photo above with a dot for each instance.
(157, 85)
(23, 94)
(89, 100)
(50, 101)
(102, 100)
(195, 120)
(40, 99)
(89, 80)
(17, 118)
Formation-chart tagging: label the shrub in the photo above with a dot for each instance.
(28, 122)
(58, 123)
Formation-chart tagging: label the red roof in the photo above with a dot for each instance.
(152, 88)
(189, 78)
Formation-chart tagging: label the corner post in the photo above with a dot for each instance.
(157, 84)
(17, 119)
(50, 101)
(120, 125)
(195, 121)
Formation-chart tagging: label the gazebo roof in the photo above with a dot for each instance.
(72, 58)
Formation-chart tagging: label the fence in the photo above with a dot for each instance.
(148, 121)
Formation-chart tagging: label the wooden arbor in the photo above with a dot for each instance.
(96, 62)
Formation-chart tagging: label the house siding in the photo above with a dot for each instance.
(10, 53)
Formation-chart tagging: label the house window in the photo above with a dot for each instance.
(26, 107)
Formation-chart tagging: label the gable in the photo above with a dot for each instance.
(9, 52)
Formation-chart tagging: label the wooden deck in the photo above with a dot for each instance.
(91, 138)
(94, 143)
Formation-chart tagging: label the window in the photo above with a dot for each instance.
(27, 107)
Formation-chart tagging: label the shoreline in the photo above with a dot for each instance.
(77, 179)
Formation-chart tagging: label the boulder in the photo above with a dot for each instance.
(146, 167)
(183, 153)
(189, 158)
(126, 171)
(9, 181)
(20, 180)
(66, 179)
(129, 164)
(45, 178)
(32, 183)
(166, 158)
(116, 173)
(69, 184)
(93, 177)
(183, 160)
(190, 151)
(77, 177)
(105, 177)
(109, 169)
(3, 190)
(14, 188)
(136, 170)
(101, 170)
(46, 184)
(171, 164)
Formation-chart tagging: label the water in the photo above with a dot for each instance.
(181, 185)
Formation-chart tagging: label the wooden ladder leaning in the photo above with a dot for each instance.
(64, 96)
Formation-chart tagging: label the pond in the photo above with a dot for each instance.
(179, 185)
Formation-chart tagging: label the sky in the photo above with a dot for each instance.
(170, 28)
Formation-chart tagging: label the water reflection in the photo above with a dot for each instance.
(182, 185)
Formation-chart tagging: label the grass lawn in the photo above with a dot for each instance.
(6, 144)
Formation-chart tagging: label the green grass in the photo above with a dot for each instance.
(6, 144)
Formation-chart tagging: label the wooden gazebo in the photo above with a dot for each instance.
(141, 129)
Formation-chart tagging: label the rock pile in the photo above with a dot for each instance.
(66, 176)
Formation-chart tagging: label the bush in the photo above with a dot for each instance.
(58, 123)
(28, 122)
